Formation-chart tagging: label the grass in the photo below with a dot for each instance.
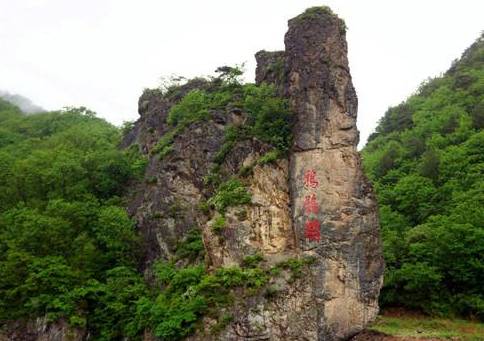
(418, 326)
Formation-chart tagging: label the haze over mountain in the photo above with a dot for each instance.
(25, 104)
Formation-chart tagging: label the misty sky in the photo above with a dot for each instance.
(102, 53)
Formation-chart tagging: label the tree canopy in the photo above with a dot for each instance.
(66, 243)
(426, 162)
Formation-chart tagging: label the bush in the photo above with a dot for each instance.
(188, 294)
(252, 261)
(165, 144)
(218, 224)
(269, 157)
(191, 108)
(230, 193)
(191, 247)
(270, 118)
(231, 136)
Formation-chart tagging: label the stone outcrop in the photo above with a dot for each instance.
(333, 208)
(263, 227)
(315, 203)
(41, 330)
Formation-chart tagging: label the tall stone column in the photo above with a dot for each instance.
(333, 207)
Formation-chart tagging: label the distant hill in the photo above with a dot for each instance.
(25, 104)
(426, 161)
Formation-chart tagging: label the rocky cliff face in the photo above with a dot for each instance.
(313, 204)
(333, 207)
(41, 329)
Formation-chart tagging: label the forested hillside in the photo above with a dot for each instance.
(67, 246)
(426, 161)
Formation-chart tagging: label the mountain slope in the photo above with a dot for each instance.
(68, 250)
(426, 160)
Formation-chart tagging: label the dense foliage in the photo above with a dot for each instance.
(426, 161)
(67, 247)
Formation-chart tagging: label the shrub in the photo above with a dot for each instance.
(269, 157)
(191, 108)
(188, 294)
(191, 247)
(218, 224)
(295, 265)
(230, 193)
(252, 260)
(270, 118)
(230, 75)
(231, 136)
(165, 144)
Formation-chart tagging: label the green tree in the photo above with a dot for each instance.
(426, 162)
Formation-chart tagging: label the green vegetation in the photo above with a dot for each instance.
(218, 223)
(426, 163)
(252, 261)
(424, 327)
(278, 69)
(230, 193)
(190, 293)
(269, 118)
(294, 265)
(191, 247)
(165, 144)
(193, 107)
(67, 247)
(269, 157)
(69, 251)
(231, 136)
(316, 12)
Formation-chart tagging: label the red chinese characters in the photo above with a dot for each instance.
(312, 230)
(310, 180)
(312, 227)
(310, 204)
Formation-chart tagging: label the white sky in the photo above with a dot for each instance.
(102, 53)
